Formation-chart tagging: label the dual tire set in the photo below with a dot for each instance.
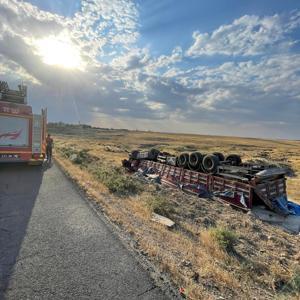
(196, 161)
(207, 163)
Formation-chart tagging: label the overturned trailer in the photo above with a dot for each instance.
(240, 185)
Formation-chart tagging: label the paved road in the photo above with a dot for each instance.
(54, 246)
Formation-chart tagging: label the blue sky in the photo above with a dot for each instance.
(209, 67)
(162, 21)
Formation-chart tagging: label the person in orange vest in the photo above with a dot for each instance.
(49, 146)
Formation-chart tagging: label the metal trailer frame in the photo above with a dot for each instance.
(236, 193)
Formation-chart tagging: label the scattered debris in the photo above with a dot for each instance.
(148, 175)
(294, 208)
(241, 185)
(73, 157)
(154, 177)
(186, 263)
(182, 292)
(290, 223)
(162, 220)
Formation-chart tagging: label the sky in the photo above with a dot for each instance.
(208, 67)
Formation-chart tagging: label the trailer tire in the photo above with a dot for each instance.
(183, 160)
(153, 153)
(195, 160)
(192, 168)
(201, 168)
(177, 161)
(219, 155)
(234, 159)
(210, 163)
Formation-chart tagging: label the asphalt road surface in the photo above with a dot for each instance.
(54, 246)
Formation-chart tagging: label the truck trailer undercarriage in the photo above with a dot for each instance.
(239, 184)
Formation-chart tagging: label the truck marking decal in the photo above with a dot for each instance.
(11, 135)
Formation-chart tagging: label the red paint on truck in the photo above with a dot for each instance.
(22, 133)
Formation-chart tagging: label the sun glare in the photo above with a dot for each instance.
(59, 51)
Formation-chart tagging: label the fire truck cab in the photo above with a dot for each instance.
(22, 133)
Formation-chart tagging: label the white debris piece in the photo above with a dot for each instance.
(162, 220)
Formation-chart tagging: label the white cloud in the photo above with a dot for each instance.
(122, 110)
(126, 85)
(164, 61)
(247, 86)
(23, 19)
(105, 23)
(246, 36)
(134, 59)
(154, 105)
(9, 69)
(209, 99)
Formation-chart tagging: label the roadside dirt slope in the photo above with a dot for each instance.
(214, 251)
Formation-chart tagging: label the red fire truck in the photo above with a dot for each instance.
(22, 133)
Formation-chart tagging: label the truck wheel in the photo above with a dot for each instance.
(153, 153)
(195, 160)
(219, 155)
(210, 163)
(177, 161)
(200, 167)
(234, 159)
(192, 168)
(183, 160)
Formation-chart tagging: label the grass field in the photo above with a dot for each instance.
(214, 251)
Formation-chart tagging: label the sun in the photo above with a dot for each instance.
(59, 51)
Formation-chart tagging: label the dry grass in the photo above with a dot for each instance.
(213, 250)
(113, 146)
